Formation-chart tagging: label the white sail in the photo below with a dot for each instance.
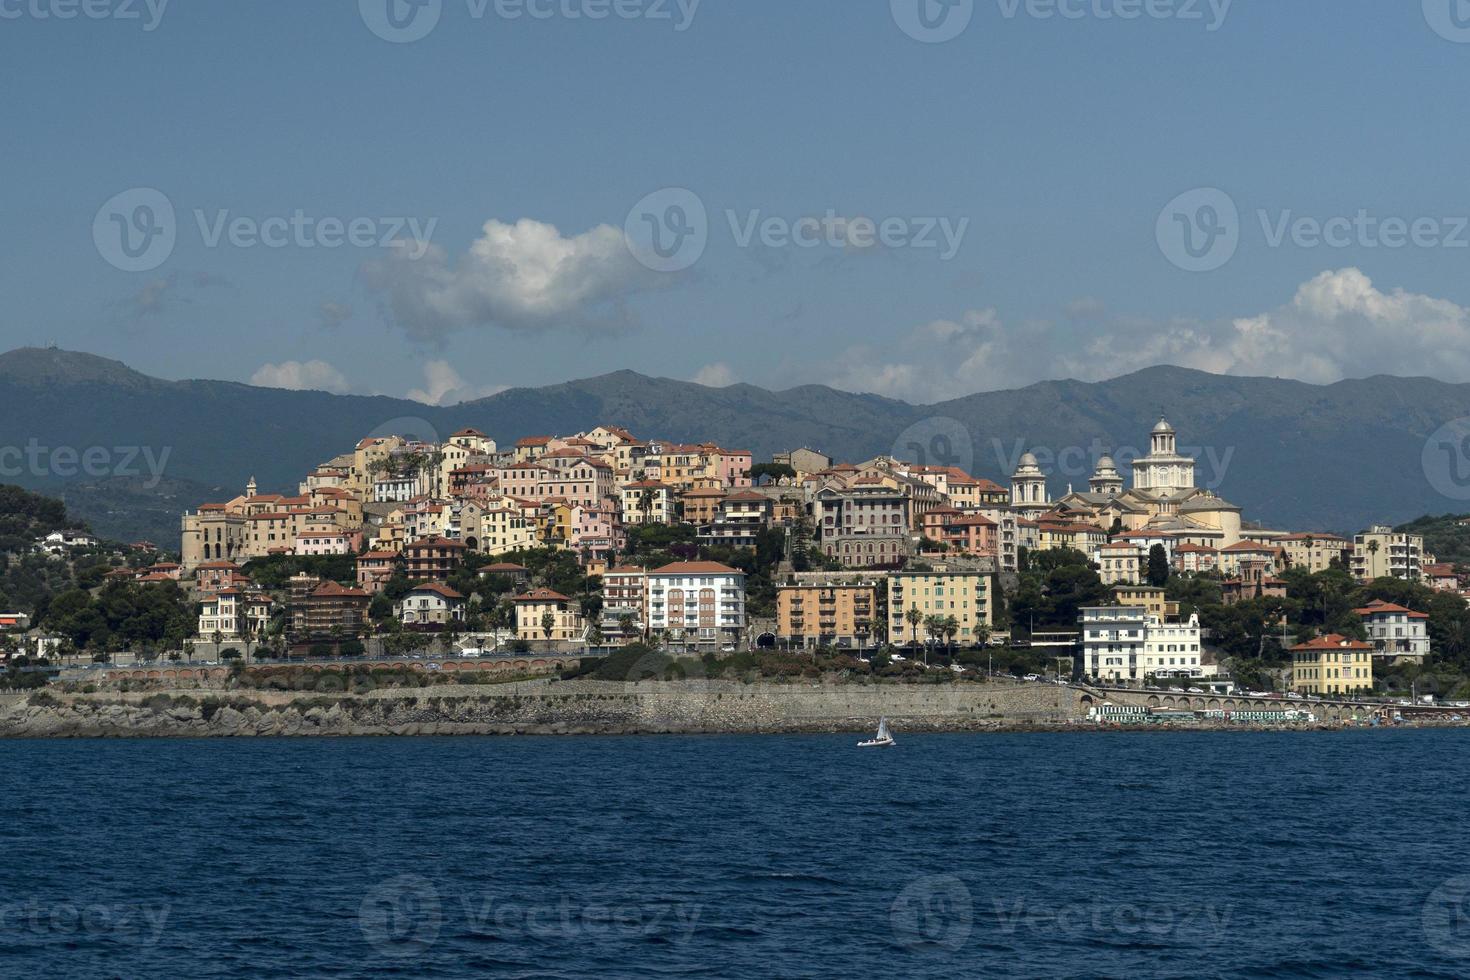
(883, 728)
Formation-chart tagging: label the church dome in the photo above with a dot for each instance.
(1028, 461)
(1163, 426)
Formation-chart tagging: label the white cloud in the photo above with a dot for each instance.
(1338, 325)
(444, 386)
(301, 376)
(717, 375)
(522, 276)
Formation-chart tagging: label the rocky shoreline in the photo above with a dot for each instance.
(566, 708)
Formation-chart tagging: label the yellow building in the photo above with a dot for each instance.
(1315, 552)
(828, 614)
(567, 625)
(963, 595)
(1381, 552)
(1150, 597)
(1332, 664)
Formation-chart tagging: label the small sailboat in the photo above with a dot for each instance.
(882, 740)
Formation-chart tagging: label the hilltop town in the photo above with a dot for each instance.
(585, 544)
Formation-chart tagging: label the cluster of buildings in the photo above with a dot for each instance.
(912, 551)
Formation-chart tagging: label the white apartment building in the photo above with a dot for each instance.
(228, 610)
(1172, 649)
(697, 604)
(1113, 641)
(1396, 632)
(1124, 644)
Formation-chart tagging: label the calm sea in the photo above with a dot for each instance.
(1132, 855)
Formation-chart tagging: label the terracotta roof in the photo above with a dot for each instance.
(1249, 546)
(1332, 641)
(1379, 606)
(335, 589)
(533, 441)
(436, 588)
(435, 542)
(377, 556)
(542, 595)
(697, 568)
(468, 432)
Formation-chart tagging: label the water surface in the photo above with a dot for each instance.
(1138, 855)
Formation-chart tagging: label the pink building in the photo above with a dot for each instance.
(328, 542)
(374, 569)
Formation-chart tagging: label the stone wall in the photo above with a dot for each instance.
(580, 707)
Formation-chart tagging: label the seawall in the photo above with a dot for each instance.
(572, 707)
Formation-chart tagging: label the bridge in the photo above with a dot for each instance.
(1323, 709)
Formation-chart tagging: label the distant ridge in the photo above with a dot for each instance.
(1293, 455)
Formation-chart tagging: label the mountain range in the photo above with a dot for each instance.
(1293, 455)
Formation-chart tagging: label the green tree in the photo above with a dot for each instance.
(1158, 566)
(913, 617)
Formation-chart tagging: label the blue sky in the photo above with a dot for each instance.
(1053, 143)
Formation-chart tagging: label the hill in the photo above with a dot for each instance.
(1293, 455)
(1446, 538)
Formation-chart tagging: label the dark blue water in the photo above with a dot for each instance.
(1278, 855)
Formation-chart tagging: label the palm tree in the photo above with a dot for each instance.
(951, 630)
(913, 617)
(594, 635)
(933, 629)
(246, 628)
(627, 622)
(548, 624)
